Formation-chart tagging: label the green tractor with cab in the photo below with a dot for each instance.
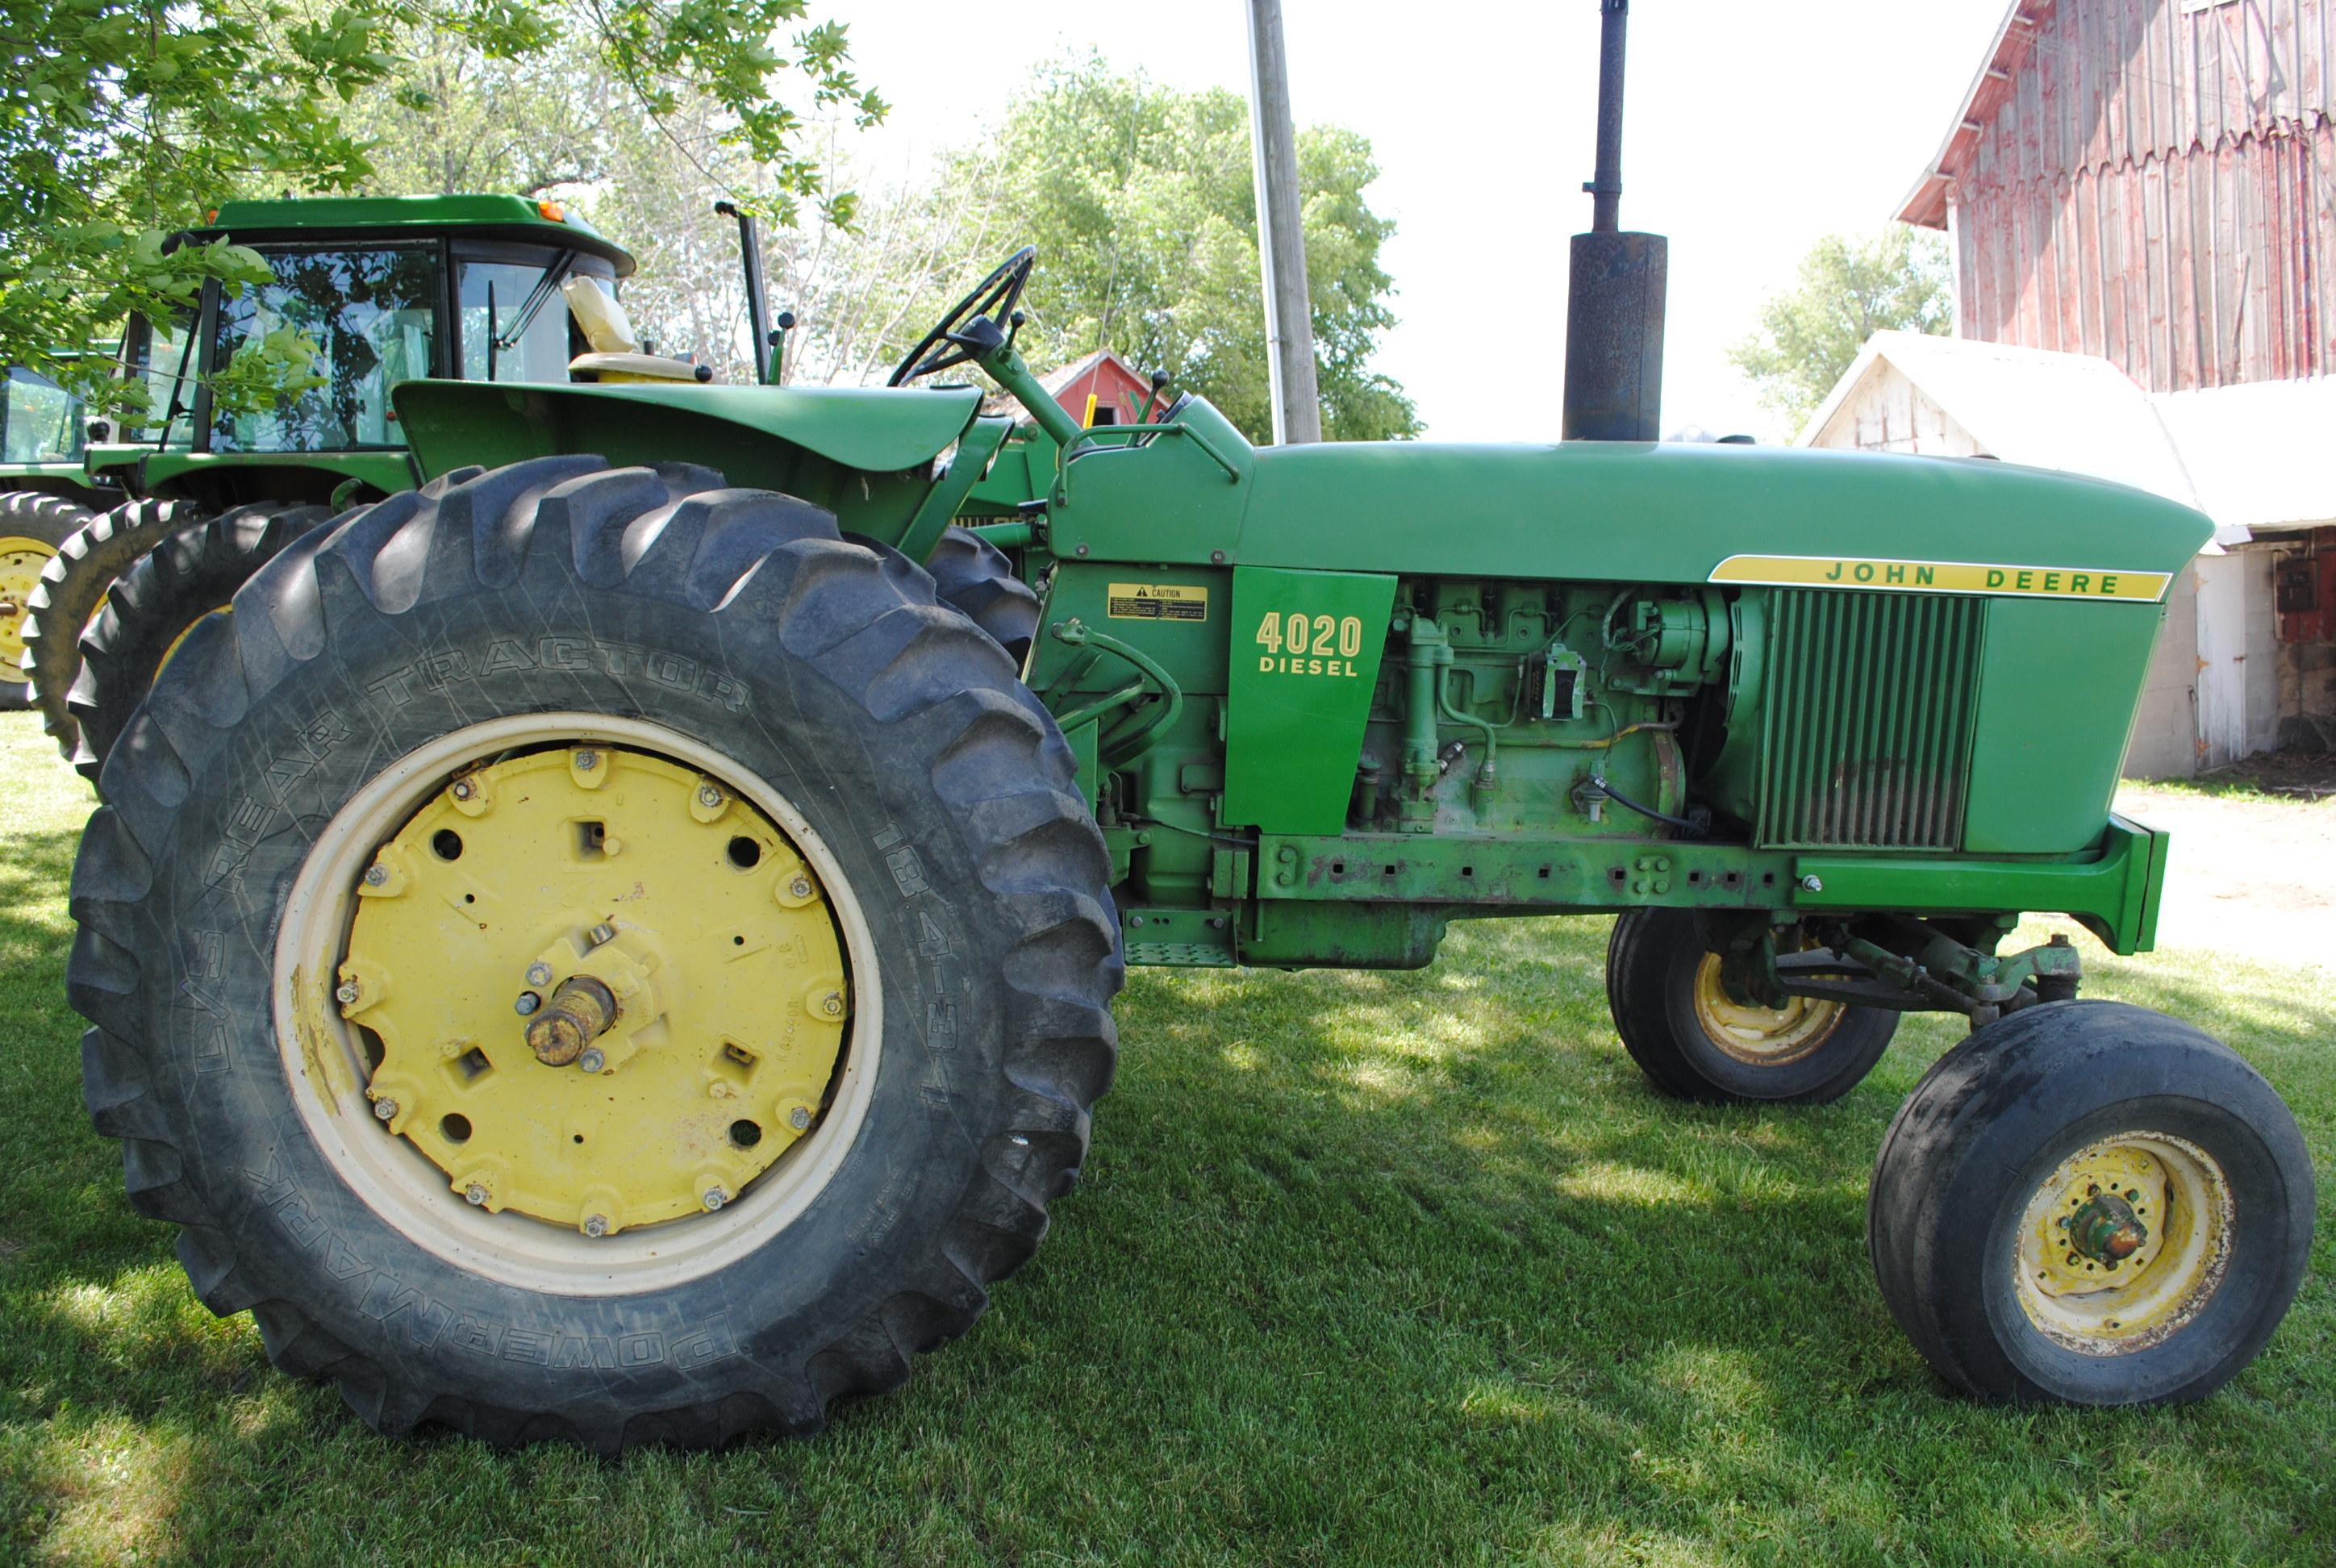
(160, 526)
(46, 495)
(615, 944)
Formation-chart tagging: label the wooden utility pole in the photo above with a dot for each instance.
(1280, 233)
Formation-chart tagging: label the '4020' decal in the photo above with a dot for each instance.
(1302, 644)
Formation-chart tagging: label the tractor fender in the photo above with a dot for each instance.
(865, 453)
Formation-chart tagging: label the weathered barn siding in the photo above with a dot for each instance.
(2153, 182)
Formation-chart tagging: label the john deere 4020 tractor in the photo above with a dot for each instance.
(607, 946)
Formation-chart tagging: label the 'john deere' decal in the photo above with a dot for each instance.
(1940, 577)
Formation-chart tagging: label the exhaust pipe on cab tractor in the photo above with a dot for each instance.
(1614, 309)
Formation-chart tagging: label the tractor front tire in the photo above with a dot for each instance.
(192, 573)
(693, 779)
(2090, 1203)
(73, 591)
(973, 577)
(32, 526)
(1696, 1042)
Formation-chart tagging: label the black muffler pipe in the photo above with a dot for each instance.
(1614, 306)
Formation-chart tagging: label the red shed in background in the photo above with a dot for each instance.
(1118, 391)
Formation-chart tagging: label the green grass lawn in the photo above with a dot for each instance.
(1405, 1268)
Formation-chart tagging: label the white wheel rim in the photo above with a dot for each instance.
(325, 1064)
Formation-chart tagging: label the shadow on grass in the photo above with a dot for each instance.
(1396, 1267)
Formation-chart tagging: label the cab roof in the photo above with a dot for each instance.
(482, 217)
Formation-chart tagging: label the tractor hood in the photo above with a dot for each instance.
(1675, 511)
(757, 435)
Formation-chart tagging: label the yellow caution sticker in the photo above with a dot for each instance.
(1942, 577)
(1156, 601)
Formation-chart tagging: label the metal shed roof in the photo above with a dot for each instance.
(2251, 457)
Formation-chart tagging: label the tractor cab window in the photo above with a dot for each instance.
(514, 323)
(159, 356)
(40, 422)
(358, 322)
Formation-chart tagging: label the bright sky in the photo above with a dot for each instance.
(1751, 130)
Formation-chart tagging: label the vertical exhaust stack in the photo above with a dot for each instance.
(1614, 309)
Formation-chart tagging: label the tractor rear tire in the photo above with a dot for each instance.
(72, 591)
(1695, 1042)
(642, 621)
(155, 603)
(33, 525)
(2014, 1134)
(973, 577)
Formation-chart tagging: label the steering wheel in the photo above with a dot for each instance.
(993, 299)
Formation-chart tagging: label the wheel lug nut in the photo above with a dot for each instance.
(528, 1002)
(591, 1060)
(464, 789)
(586, 761)
(538, 974)
(832, 1004)
(376, 875)
(799, 1118)
(385, 1108)
(708, 796)
(714, 1198)
(346, 993)
(800, 887)
(595, 1225)
(476, 1195)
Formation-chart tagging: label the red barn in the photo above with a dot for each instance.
(2140, 201)
(2148, 180)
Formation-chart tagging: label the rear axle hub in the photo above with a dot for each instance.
(581, 1011)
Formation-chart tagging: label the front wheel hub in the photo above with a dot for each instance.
(2106, 1228)
(2125, 1242)
(690, 992)
(1756, 1033)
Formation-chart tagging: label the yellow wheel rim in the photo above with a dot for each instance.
(2125, 1242)
(735, 1074)
(603, 873)
(22, 560)
(1764, 1036)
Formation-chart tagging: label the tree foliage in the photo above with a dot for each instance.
(1142, 202)
(1847, 290)
(1138, 198)
(122, 120)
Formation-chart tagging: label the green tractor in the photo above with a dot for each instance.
(46, 494)
(477, 288)
(606, 947)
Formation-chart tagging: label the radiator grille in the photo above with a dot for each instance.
(1867, 726)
